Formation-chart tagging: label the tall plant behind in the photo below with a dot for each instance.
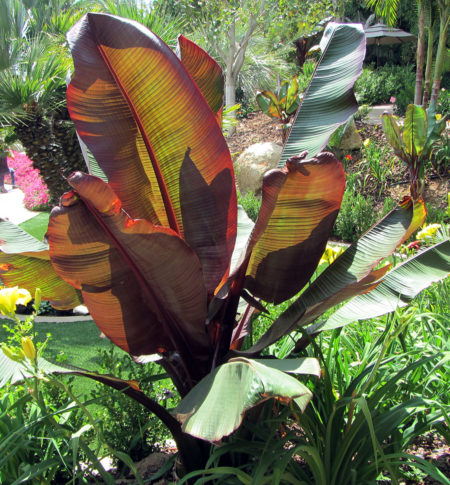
(155, 245)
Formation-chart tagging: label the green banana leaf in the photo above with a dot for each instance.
(215, 407)
(329, 100)
(415, 129)
(397, 289)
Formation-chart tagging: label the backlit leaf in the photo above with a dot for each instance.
(299, 206)
(149, 127)
(205, 71)
(137, 279)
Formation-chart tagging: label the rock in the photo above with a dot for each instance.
(253, 163)
(350, 138)
(151, 464)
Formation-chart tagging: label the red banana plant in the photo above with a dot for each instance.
(151, 242)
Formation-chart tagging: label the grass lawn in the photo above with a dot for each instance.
(79, 341)
(37, 225)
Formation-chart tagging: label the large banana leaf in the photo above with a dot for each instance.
(397, 289)
(25, 262)
(299, 206)
(329, 100)
(154, 136)
(352, 272)
(215, 407)
(137, 279)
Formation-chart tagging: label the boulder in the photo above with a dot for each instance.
(253, 163)
(350, 138)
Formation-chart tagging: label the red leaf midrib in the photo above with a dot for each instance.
(173, 224)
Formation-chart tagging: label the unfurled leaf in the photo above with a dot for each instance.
(329, 100)
(25, 263)
(396, 289)
(215, 407)
(154, 136)
(299, 206)
(137, 279)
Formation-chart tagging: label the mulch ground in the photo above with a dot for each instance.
(258, 128)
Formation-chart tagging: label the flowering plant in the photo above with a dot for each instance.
(30, 181)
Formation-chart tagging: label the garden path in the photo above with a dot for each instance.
(12, 208)
(374, 115)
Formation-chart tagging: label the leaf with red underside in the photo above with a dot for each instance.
(25, 262)
(141, 115)
(299, 206)
(142, 283)
(205, 71)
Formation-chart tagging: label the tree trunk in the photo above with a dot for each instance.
(230, 90)
(420, 52)
(429, 66)
(52, 145)
(441, 53)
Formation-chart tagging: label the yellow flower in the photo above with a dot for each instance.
(10, 297)
(28, 348)
(331, 253)
(366, 142)
(428, 231)
(438, 117)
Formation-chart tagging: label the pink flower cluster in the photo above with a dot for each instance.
(29, 180)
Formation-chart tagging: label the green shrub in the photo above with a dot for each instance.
(377, 86)
(139, 432)
(250, 203)
(436, 214)
(443, 103)
(355, 217)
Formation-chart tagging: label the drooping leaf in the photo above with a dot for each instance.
(396, 289)
(350, 274)
(12, 372)
(153, 134)
(25, 262)
(415, 129)
(205, 71)
(299, 206)
(329, 100)
(215, 407)
(137, 279)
